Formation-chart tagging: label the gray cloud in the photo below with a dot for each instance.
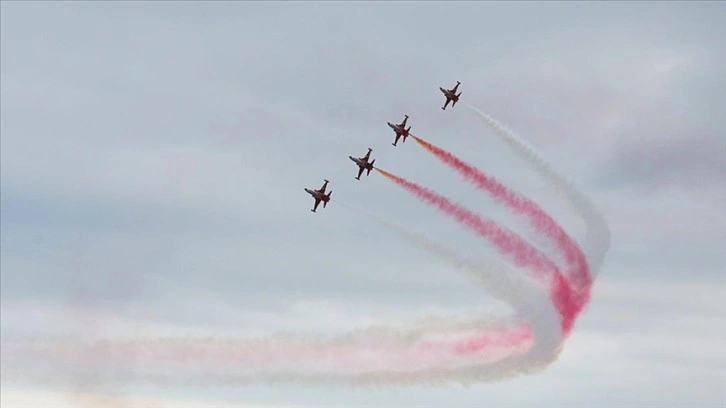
(154, 154)
(696, 160)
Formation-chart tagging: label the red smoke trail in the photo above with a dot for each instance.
(243, 354)
(523, 254)
(541, 221)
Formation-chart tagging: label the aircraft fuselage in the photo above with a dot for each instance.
(359, 162)
(398, 129)
(449, 94)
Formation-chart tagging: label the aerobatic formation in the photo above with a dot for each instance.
(362, 162)
(546, 297)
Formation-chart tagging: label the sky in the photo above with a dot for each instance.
(154, 156)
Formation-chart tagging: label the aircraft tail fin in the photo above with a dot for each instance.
(326, 201)
(409, 129)
(370, 168)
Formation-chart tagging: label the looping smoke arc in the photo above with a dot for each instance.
(546, 302)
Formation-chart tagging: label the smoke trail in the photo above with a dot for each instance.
(542, 222)
(375, 355)
(434, 351)
(501, 281)
(597, 235)
(506, 242)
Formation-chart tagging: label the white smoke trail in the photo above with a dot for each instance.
(597, 234)
(504, 284)
(434, 351)
(425, 353)
(500, 280)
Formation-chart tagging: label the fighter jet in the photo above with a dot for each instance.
(363, 163)
(451, 95)
(319, 195)
(400, 129)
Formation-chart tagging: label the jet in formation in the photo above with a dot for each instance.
(319, 195)
(451, 95)
(363, 163)
(400, 129)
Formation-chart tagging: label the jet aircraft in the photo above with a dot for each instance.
(319, 195)
(363, 163)
(400, 129)
(451, 95)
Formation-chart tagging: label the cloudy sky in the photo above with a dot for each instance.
(154, 157)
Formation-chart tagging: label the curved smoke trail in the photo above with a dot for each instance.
(435, 351)
(507, 243)
(432, 352)
(578, 270)
(597, 234)
(524, 343)
(502, 282)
